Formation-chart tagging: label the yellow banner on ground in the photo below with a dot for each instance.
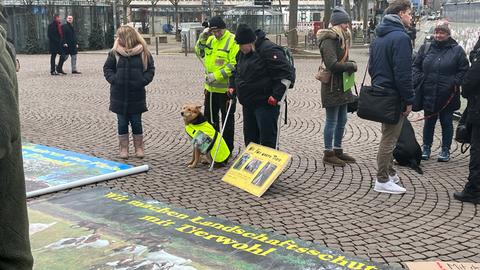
(256, 168)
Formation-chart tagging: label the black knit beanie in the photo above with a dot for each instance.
(244, 34)
(339, 16)
(217, 23)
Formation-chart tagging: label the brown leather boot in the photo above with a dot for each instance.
(341, 155)
(330, 158)
(139, 146)
(123, 142)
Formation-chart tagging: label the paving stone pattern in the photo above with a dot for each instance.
(335, 207)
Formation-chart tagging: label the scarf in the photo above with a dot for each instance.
(131, 52)
(345, 38)
(59, 28)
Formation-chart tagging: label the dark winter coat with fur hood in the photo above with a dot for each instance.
(332, 53)
(14, 240)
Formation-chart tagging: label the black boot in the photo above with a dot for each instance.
(466, 196)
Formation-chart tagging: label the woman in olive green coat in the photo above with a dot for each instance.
(15, 251)
(335, 43)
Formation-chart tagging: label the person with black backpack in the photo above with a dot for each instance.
(261, 77)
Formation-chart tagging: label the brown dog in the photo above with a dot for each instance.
(192, 115)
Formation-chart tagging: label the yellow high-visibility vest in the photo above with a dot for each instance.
(219, 58)
(209, 130)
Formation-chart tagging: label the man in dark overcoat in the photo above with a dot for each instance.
(55, 37)
(70, 44)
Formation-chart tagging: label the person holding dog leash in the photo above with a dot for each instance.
(334, 46)
(438, 71)
(260, 81)
(218, 52)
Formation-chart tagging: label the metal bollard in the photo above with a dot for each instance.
(306, 42)
(156, 44)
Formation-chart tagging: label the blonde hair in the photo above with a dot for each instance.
(345, 36)
(130, 38)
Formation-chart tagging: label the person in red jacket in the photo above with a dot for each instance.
(55, 37)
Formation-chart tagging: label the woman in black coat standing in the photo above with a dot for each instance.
(128, 69)
(438, 70)
(261, 77)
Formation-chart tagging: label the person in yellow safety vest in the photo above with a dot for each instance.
(218, 53)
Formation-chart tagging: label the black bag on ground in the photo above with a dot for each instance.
(463, 131)
(379, 104)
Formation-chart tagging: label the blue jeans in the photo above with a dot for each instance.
(135, 120)
(334, 126)
(446, 121)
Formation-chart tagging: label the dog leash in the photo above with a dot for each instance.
(443, 107)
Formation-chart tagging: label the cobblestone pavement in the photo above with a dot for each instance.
(335, 207)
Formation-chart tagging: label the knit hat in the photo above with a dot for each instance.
(217, 23)
(339, 16)
(244, 35)
(444, 26)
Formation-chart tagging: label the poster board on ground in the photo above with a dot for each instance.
(438, 265)
(107, 229)
(256, 168)
(49, 169)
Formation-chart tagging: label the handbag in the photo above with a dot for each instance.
(323, 74)
(379, 104)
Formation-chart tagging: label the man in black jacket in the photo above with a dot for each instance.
(471, 91)
(70, 45)
(55, 37)
(261, 77)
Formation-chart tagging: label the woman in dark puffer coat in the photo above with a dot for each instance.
(128, 69)
(439, 71)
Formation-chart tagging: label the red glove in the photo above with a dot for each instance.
(272, 101)
(231, 93)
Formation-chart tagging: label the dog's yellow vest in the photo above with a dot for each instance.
(209, 130)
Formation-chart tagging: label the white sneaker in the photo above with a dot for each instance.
(389, 187)
(394, 178)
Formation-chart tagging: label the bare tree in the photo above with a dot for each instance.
(292, 23)
(346, 3)
(154, 4)
(32, 45)
(125, 4)
(175, 6)
(358, 6)
(327, 13)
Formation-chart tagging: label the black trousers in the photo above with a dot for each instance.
(260, 125)
(53, 57)
(219, 104)
(473, 184)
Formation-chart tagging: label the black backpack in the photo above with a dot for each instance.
(291, 61)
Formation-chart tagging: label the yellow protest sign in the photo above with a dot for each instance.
(256, 168)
